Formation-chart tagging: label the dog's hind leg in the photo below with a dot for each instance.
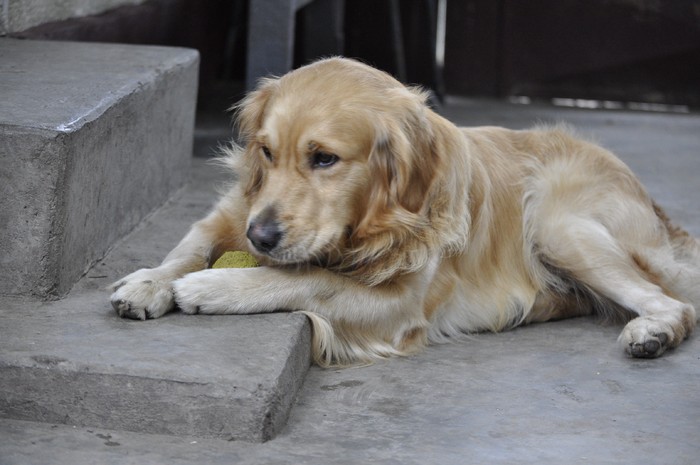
(609, 270)
(679, 268)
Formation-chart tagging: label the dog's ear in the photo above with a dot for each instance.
(248, 116)
(249, 112)
(404, 164)
(417, 203)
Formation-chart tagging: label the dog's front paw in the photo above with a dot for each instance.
(188, 294)
(143, 294)
(200, 292)
(221, 291)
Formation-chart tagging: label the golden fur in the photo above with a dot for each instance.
(390, 228)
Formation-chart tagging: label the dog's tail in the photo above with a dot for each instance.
(681, 275)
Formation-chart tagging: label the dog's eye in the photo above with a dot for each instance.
(323, 159)
(267, 153)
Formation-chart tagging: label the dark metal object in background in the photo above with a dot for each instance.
(627, 50)
(600, 49)
(396, 36)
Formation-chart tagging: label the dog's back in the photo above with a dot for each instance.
(561, 227)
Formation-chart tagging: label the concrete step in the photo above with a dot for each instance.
(74, 361)
(93, 137)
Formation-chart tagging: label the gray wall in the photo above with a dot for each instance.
(19, 15)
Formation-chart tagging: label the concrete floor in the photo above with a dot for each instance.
(559, 393)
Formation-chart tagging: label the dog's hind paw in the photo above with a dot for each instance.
(647, 337)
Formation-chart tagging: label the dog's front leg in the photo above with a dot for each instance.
(387, 318)
(334, 296)
(148, 292)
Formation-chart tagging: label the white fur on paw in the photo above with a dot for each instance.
(142, 294)
(646, 337)
(212, 291)
(198, 292)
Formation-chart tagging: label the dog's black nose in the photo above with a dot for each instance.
(265, 234)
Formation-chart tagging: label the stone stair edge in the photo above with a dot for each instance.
(181, 57)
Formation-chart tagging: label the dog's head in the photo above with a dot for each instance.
(340, 162)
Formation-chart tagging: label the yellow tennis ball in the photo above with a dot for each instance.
(236, 259)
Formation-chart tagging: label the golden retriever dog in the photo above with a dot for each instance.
(391, 228)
